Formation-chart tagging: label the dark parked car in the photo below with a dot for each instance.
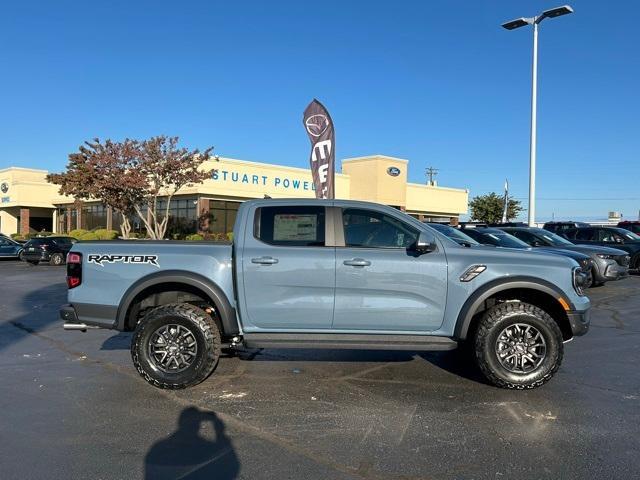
(48, 249)
(631, 225)
(619, 238)
(454, 234)
(10, 248)
(561, 227)
(609, 263)
(500, 238)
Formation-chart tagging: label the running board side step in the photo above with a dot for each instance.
(348, 341)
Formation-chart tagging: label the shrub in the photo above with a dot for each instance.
(104, 234)
(194, 237)
(17, 236)
(230, 236)
(77, 233)
(42, 234)
(88, 236)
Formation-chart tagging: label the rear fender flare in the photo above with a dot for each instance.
(226, 312)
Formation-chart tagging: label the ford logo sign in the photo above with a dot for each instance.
(393, 171)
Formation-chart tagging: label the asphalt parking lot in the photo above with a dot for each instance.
(72, 406)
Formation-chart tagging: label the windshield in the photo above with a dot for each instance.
(454, 234)
(552, 238)
(501, 239)
(627, 234)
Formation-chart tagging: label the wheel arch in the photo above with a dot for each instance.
(536, 291)
(176, 280)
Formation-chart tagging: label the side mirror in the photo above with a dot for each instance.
(618, 240)
(426, 243)
(536, 243)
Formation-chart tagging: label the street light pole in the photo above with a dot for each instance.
(512, 25)
(532, 144)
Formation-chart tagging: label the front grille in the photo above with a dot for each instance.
(622, 260)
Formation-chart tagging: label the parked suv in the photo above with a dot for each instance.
(48, 249)
(631, 225)
(500, 238)
(620, 238)
(609, 263)
(561, 227)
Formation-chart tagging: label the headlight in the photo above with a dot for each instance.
(579, 280)
(605, 256)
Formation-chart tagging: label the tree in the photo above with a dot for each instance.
(489, 208)
(164, 169)
(129, 174)
(101, 171)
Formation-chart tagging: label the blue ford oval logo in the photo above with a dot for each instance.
(393, 171)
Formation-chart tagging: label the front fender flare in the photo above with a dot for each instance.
(475, 300)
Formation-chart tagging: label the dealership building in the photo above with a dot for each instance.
(28, 203)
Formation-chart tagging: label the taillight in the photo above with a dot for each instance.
(74, 269)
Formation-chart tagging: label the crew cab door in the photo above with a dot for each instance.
(381, 284)
(288, 271)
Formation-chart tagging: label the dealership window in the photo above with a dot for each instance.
(291, 226)
(370, 229)
(182, 215)
(94, 216)
(222, 216)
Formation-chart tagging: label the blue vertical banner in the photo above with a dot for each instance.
(319, 127)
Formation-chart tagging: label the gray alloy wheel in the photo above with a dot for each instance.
(520, 348)
(57, 259)
(173, 348)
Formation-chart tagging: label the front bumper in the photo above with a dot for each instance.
(579, 322)
(607, 270)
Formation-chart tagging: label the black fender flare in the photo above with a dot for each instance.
(475, 300)
(226, 312)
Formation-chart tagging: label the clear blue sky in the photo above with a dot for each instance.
(438, 83)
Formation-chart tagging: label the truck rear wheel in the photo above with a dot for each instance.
(518, 346)
(176, 346)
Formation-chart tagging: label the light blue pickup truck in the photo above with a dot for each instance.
(327, 274)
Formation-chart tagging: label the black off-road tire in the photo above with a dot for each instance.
(56, 259)
(205, 332)
(21, 256)
(494, 321)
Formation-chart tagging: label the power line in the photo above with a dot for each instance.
(431, 172)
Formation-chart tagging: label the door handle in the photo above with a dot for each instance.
(357, 262)
(264, 260)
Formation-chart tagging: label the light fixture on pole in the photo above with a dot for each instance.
(512, 25)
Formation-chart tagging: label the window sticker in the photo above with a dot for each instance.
(289, 227)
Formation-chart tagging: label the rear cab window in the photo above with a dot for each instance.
(293, 226)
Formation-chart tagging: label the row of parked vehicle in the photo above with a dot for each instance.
(40, 249)
(605, 253)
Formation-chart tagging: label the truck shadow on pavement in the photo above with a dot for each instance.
(189, 454)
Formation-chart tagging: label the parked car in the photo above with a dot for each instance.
(500, 238)
(631, 225)
(10, 248)
(454, 234)
(620, 238)
(47, 249)
(327, 274)
(561, 227)
(608, 263)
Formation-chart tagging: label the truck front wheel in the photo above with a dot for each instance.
(518, 345)
(176, 346)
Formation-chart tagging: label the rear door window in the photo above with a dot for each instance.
(295, 226)
(585, 234)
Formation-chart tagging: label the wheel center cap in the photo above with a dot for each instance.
(520, 348)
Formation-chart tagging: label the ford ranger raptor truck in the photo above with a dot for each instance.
(327, 274)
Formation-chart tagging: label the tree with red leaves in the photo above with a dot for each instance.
(126, 175)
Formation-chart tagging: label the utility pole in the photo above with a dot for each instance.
(431, 172)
